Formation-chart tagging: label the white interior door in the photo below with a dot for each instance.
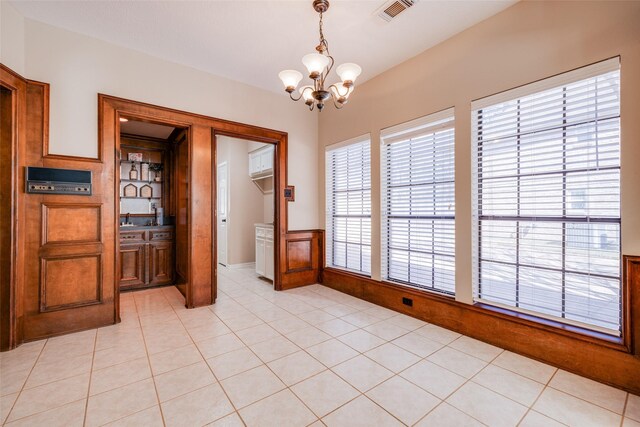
(223, 211)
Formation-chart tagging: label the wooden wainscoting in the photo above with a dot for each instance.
(588, 355)
(301, 258)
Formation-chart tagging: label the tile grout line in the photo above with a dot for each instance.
(360, 393)
(360, 353)
(624, 410)
(93, 357)
(19, 393)
(585, 400)
(266, 364)
(146, 350)
(287, 387)
(235, 410)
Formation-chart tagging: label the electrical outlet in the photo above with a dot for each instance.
(407, 301)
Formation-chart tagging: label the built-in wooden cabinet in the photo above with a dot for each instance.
(146, 256)
(264, 251)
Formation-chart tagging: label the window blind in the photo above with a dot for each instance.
(418, 206)
(348, 190)
(547, 199)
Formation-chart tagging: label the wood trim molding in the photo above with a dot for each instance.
(631, 294)
(584, 355)
(12, 259)
(46, 154)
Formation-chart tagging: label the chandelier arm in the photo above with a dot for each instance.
(326, 73)
(295, 99)
(335, 103)
(338, 89)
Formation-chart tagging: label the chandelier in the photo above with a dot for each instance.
(319, 65)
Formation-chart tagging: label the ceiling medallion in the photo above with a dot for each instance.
(319, 65)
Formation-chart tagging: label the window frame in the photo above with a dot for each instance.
(561, 80)
(329, 253)
(417, 128)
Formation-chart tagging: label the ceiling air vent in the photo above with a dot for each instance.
(393, 8)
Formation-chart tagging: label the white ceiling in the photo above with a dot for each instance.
(251, 41)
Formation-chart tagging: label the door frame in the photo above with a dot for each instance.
(11, 290)
(111, 108)
(280, 213)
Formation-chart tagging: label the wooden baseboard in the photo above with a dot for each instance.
(593, 358)
(243, 265)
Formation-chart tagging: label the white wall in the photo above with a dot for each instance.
(79, 67)
(245, 201)
(11, 38)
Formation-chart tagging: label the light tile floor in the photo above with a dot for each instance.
(310, 356)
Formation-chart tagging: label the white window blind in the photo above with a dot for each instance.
(348, 225)
(547, 198)
(418, 207)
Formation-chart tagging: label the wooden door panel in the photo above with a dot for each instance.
(59, 279)
(160, 263)
(132, 261)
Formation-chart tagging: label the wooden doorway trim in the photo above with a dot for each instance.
(201, 283)
(13, 126)
(280, 213)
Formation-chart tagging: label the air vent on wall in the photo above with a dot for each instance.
(393, 8)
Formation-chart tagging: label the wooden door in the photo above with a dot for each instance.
(160, 263)
(132, 265)
(69, 239)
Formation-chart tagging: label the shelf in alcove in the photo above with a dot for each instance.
(140, 181)
(138, 197)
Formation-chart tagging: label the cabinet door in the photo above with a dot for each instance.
(260, 257)
(160, 263)
(132, 263)
(266, 160)
(254, 163)
(268, 259)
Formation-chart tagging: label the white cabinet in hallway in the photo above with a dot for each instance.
(264, 250)
(261, 162)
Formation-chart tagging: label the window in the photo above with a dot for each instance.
(547, 198)
(418, 207)
(348, 180)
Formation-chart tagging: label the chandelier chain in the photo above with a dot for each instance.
(323, 42)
